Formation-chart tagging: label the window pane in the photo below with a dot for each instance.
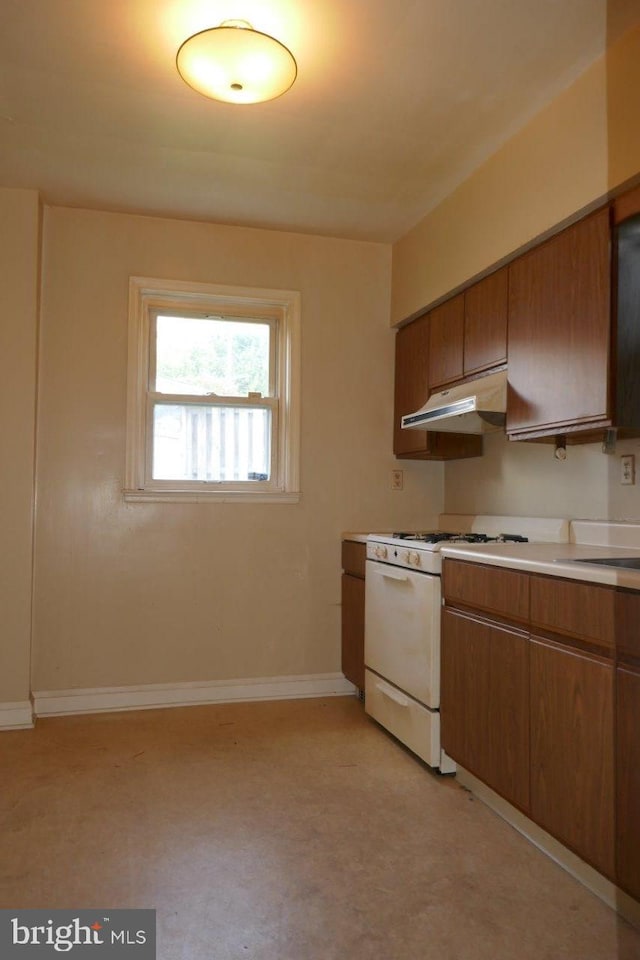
(194, 442)
(209, 355)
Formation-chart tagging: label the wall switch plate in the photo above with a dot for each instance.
(628, 469)
(397, 479)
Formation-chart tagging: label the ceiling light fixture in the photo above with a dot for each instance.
(237, 64)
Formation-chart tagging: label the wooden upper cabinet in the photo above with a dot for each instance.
(468, 333)
(485, 323)
(412, 392)
(411, 385)
(446, 339)
(559, 333)
(626, 205)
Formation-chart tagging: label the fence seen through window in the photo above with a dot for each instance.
(224, 435)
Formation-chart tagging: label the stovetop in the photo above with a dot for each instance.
(420, 550)
(441, 536)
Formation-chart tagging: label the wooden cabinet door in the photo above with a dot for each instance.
(559, 330)
(446, 336)
(411, 385)
(484, 704)
(572, 769)
(412, 392)
(353, 629)
(628, 780)
(485, 323)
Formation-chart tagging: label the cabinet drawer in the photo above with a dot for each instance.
(628, 626)
(354, 557)
(414, 725)
(491, 589)
(584, 611)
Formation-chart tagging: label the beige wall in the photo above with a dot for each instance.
(623, 107)
(584, 143)
(130, 593)
(525, 479)
(19, 264)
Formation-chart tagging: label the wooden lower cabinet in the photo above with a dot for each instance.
(535, 705)
(485, 702)
(353, 581)
(628, 779)
(572, 750)
(353, 629)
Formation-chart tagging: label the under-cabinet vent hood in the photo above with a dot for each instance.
(474, 407)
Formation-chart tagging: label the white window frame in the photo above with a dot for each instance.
(281, 308)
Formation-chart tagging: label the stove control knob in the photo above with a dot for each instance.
(381, 553)
(414, 558)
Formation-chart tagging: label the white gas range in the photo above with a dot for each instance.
(402, 621)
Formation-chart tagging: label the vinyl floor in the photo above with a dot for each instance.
(291, 830)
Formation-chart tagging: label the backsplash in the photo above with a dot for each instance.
(525, 479)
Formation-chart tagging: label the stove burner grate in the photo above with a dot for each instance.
(444, 537)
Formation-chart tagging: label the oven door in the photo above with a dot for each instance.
(402, 630)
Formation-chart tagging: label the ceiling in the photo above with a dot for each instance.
(396, 102)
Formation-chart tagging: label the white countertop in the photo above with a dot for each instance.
(552, 559)
(358, 537)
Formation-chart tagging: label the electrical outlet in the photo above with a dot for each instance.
(628, 469)
(396, 479)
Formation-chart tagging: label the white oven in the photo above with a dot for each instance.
(402, 645)
(402, 621)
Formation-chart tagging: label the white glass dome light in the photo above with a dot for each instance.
(237, 64)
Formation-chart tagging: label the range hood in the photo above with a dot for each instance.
(478, 406)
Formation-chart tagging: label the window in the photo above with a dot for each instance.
(213, 392)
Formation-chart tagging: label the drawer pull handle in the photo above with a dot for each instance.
(392, 695)
(392, 575)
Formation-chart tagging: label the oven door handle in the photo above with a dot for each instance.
(392, 574)
(392, 695)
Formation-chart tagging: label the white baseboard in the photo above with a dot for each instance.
(54, 703)
(17, 715)
(607, 891)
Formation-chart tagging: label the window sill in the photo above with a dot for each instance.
(206, 496)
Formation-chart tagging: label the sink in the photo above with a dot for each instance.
(629, 563)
